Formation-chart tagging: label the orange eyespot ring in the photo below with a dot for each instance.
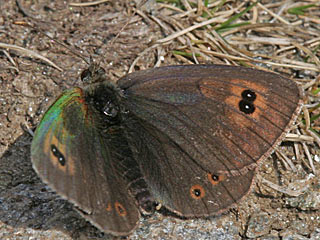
(197, 192)
(215, 179)
(120, 209)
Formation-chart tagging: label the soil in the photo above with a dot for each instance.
(114, 35)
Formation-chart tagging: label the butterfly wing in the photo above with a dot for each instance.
(203, 129)
(178, 181)
(72, 155)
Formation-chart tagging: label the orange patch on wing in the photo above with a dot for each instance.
(109, 208)
(197, 192)
(261, 109)
(120, 209)
(69, 167)
(215, 179)
(235, 96)
(249, 85)
(230, 94)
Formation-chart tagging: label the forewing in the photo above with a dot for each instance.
(213, 123)
(72, 155)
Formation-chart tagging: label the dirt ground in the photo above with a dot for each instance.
(129, 36)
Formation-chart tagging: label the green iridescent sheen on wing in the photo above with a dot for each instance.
(53, 121)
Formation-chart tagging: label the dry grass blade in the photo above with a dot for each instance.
(277, 16)
(306, 117)
(314, 136)
(10, 58)
(30, 53)
(293, 192)
(285, 159)
(87, 4)
(298, 138)
(189, 29)
(307, 151)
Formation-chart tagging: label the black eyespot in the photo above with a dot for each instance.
(197, 192)
(248, 95)
(58, 155)
(215, 178)
(120, 209)
(246, 107)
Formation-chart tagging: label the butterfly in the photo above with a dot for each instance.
(188, 137)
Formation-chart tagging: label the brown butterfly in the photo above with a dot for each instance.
(187, 137)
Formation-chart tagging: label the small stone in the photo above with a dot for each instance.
(269, 237)
(309, 201)
(289, 235)
(316, 234)
(259, 224)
